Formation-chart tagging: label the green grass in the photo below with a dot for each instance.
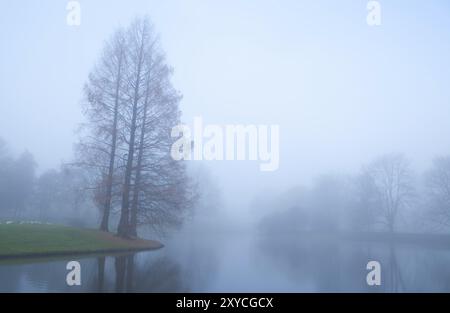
(19, 240)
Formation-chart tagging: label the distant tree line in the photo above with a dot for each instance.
(17, 176)
(56, 196)
(386, 195)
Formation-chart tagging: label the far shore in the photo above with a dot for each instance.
(432, 240)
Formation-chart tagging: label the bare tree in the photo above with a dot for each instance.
(103, 94)
(139, 46)
(160, 182)
(391, 179)
(131, 109)
(156, 188)
(438, 190)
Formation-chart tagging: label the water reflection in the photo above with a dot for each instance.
(161, 275)
(340, 266)
(101, 273)
(244, 263)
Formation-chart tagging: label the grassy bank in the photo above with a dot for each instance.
(36, 240)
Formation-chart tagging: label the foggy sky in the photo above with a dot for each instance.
(341, 91)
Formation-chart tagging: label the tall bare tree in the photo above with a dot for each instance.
(103, 95)
(131, 109)
(139, 46)
(156, 171)
(156, 188)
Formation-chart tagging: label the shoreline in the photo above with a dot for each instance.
(27, 241)
(106, 252)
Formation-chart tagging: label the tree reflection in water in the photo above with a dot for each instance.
(159, 275)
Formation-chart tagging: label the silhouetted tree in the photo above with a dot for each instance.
(131, 108)
(156, 187)
(103, 101)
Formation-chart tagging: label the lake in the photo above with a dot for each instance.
(242, 263)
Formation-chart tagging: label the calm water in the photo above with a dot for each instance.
(242, 263)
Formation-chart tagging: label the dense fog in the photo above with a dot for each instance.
(355, 119)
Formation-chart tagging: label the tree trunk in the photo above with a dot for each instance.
(137, 182)
(112, 156)
(123, 229)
